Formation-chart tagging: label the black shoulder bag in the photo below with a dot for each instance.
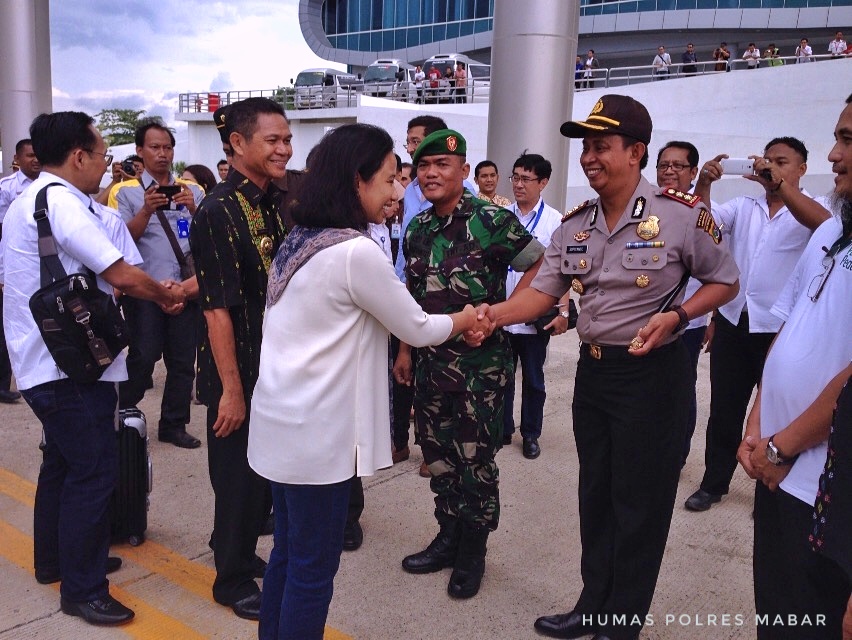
(80, 324)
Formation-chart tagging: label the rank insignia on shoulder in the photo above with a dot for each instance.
(706, 222)
(568, 214)
(686, 198)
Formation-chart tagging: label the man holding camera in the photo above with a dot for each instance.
(71, 531)
(530, 175)
(767, 235)
(157, 209)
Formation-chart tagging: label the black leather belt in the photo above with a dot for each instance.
(612, 352)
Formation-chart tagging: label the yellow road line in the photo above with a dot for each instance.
(192, 576)
(149, 622)
(17, 487)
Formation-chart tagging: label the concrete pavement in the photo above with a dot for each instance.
(704, 591)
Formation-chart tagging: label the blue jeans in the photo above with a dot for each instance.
(531, 350)
(299, 580)
(76, 481)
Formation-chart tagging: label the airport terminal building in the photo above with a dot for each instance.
(622, 32)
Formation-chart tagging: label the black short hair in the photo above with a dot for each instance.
(398, 162)
(56, 135)
(135, 158)
(329, 197)
(482, 165)
(691, 151)
(534, 162)
(430, 124)
(148, 124)
(19, 147)
(242, 117)
(221, 162)
(849, 99)
(404, 165)
(794, 143)
(203, 176)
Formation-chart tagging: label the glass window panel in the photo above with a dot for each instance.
(401, 19)
(667, 5)
(364, 42)
(399, 38)
(610, 7)
(468, 9)
(413, 36)
(796, 3)
(706, 4)
(628, 7)
(387, 13)
(822, 3)
(440, 12)
(453, 30)
(466, 28)
(375, 41)
(439, 32)
(750, 4)
(413, 12)
(768, 4)
(387, 40)
(426, 35)
(686, 4)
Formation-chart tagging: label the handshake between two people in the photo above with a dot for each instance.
(483, 322)
(179, 297)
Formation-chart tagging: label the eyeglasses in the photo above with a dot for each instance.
(677, 167)
(818, 283)
(516, 179)
(107, 156)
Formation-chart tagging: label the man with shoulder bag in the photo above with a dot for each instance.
(157, 208)
(80, 468)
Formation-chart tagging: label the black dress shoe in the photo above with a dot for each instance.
(531, 448)
(248, 607)
(180, 439)
(701, 500)
(49, 577)
(564, 625)
(353, 536)
(103, 611)
(601, 636)
(9, 397)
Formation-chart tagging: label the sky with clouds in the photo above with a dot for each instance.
(141, 54)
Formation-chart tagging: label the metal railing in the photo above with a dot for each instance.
(316, 97)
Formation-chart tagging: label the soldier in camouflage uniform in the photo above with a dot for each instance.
(458, 252)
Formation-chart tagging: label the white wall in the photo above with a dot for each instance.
(735, 113)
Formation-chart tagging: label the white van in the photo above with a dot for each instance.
(390, 78)
(438, 88)
(323, 88)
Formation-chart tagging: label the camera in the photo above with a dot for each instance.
(128, 168)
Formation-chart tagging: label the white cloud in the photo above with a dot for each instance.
(140, 54)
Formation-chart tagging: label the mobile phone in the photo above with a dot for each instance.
(738, 166)
(170, 191)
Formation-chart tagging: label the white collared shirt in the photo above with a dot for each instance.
(10, 188)
(83, 239)
(547, 224)
(765, 250)
(837, 47)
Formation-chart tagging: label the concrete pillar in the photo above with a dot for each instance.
(25, 80)
(532, 86)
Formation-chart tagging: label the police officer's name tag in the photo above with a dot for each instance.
(395, 230)
(576, 248)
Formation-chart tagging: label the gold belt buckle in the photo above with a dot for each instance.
(595, 351)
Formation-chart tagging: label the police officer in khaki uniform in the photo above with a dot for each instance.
(627, 254)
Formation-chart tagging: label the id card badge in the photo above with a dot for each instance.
(183, 228)
(396, 228)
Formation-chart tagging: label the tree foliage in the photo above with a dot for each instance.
(117, 126)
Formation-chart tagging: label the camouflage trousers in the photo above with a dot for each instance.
(459, 434)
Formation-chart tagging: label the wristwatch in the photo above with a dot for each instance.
(564, 314)
(775, 456)
(682, 318)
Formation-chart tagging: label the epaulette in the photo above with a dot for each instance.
(568, 214)
(688, 199)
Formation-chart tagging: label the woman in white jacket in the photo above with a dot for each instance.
(319, 414)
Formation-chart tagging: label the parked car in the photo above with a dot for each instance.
(442, 91)
(390, 78)
(323, 88)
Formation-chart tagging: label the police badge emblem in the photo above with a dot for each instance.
(648, 229)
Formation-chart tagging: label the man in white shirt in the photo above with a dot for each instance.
(804, 53)
(837, 47)
(80, 456)
(10, 188)
(752, 56)
(661, 63)
(530, 175)
(786, 440)
(767, 235)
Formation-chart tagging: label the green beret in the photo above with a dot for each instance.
(440, 143)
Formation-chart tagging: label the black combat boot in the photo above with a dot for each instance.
(440, 553)
(470, 563)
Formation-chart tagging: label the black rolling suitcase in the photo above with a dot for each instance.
(129, 507)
